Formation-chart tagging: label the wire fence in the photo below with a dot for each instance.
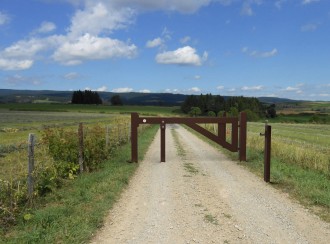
(36, 167)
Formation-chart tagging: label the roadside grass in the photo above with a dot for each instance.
(293, 168)
(73, 213)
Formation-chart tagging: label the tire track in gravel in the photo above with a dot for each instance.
(219, 203)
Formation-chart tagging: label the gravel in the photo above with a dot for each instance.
(219, 202)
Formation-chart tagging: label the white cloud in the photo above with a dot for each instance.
(123, 89)
(46, 27)
(15, 64)
(102, 89)
(4, 18)
(71, 76)
(308, 27)
(252, 88)
(100, 17)
(258, 54)
(197, 77)
(90, 47)
(293, 89)
(194, 90)
(182, 56)
(185, 39)
(304, 2)
(154, 43)
(145, 91)
(220, 87)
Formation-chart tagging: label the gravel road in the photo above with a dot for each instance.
(199, 196)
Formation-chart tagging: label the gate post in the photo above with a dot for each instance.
(242, 136)
(162, 141)
(134, 135)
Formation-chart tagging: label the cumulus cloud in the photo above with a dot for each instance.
(122, 90)
(154, 43)
(220, 87)
(15, 64)
(182, 56)
(90, 47)
(194, 90)
(258, 54)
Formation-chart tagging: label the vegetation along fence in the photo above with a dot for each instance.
(34, 168)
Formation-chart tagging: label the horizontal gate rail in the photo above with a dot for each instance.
(238, 131)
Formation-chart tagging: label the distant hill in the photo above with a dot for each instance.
(130, 98)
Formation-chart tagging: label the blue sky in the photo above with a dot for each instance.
(228, 47)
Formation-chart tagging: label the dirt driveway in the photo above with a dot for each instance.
(199, 196)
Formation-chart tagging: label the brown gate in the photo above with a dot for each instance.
(238, 132)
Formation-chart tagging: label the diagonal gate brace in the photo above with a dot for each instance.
(237, 140)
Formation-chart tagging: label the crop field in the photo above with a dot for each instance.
(306, 145)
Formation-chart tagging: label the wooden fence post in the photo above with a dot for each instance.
(267, 152)
(30, 166)
(81, 147)
(107, 137)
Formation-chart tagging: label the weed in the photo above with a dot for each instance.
(211, 219)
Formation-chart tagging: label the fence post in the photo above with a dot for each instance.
(267, 152)
(30, 166)
(81, 147)
(162, 141)
(107, 137)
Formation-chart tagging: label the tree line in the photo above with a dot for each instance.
(216, 105)
(86, 97)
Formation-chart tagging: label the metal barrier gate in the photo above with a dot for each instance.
(236, 144)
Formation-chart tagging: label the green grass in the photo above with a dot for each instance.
(146, 110)
(73, 213)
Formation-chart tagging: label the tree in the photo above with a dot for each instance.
(271, 111)
(116, 100)
(85, 97)
(195, 111)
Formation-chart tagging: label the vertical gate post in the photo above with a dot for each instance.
(134, 139)
(267, 152)
(242, 136)
(162, 141)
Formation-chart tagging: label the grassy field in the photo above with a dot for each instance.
(83, 108)
(17, 121)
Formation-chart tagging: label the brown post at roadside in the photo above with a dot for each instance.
(134, 135)
(242, 136)
(162, 141)
(267, 152)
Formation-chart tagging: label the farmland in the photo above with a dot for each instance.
(300, 163)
